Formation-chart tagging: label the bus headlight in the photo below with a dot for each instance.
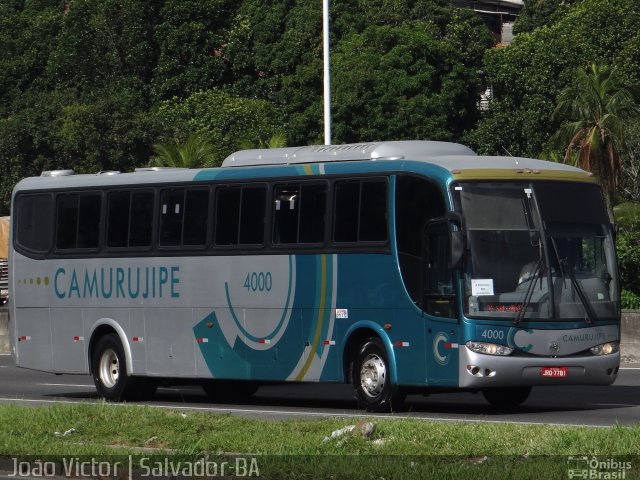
(489, 348)
(606, 348)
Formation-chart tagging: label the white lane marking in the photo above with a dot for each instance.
(301, 414)
(66, 385)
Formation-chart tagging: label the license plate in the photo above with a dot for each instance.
(554, 372)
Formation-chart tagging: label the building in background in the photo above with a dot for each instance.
(499, 15)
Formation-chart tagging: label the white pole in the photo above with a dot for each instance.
(327, 76)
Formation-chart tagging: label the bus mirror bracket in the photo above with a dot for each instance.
(457, 240)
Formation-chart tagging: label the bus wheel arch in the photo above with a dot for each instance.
(110, 366)
(368, 367)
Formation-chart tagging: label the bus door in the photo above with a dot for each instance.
(439, 306)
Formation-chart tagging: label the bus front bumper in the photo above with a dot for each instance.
(485, 371)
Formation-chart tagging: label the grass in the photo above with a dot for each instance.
(299, 448)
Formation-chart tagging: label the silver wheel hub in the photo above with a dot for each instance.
(373, 375)
(109, 368)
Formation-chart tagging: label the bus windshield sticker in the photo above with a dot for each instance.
(481, 286)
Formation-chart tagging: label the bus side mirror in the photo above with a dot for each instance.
(457, 250)
(457, 240)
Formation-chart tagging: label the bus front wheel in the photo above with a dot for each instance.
(507, 397)
(372, 380)
(109, 369)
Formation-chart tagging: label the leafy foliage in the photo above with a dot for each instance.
(528, 76)
(224, 118)
(593, 108)
(197, 151)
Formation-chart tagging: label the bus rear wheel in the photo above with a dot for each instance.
(372, 380)
(507, 397)
(109, 369)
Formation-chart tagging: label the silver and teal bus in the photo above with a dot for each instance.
(399, 267)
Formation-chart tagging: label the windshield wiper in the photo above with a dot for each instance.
(526, 301)
(565, 269)
(588, 308)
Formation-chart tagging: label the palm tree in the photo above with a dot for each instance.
(594, 109)
(197, 151)
(277, 140)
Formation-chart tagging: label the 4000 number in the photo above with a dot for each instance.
(258, 282)
(493, 334)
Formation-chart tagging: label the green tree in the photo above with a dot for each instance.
(538, 13)
(224, 118)
(197, 151)
(593, 110)
(528, 75)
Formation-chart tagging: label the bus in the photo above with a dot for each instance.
(400, 267)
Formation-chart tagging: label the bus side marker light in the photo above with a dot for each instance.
(203, 340)
(138, 339)
(264, 341)
(329, 342)
(402, 344)
(387, 326)
(78, 339)
(24, 338)
(209, 324)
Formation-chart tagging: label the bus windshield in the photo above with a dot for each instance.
(537, 251)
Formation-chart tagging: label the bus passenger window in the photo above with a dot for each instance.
(66, 221)
(171, 212)
(78, 221)
(252, 215)
(196, 214)
(313, 210)
(360, 211)
(129, 219)
(299, 213)
(118, 219)
(89, 220)
(33, 228)
(286, 213)
(347, 201)
(373, 212)
(227, 215)
(141, 224)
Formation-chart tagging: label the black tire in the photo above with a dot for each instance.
(507, 397)
(371, 379)
(109, 370)
(229, 390)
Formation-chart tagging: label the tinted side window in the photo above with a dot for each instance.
(373, 211)
(90, 209)
(33, 224)
(227, 215)
(313, 211)
(240, 215)
(171, 213)
(66, 221)
(360, 211)
(141, 219)
(299, 213)
(252, 215)
(286, 213)
(118, 219)
(78, 220)
(130, 219)
(347, 207)
(196, 215)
